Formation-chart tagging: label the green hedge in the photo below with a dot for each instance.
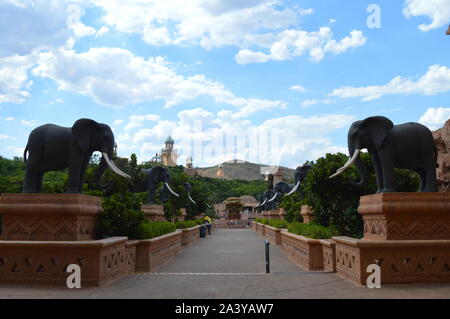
(185, 224)
(312, 230)
(155, 229)
(277, 223)
(200, 221)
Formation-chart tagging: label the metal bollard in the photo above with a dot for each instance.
(267, 243)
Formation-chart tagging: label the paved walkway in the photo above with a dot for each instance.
(230, 264)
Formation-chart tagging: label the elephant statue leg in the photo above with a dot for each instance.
(39, 178)
(151, 195)
(31, 180)
(74, 175)
(379, 174)
(83, 173)
(430, 179)
(387, 174)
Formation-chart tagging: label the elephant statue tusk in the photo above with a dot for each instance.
(257, 205)
(190, 198)
(294, 189)
(347, 165)
(273, 198)
(170, 190)
(114, 167)
(264, 202)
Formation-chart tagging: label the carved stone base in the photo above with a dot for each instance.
(45, 262)
(154, 213)
(48, 216)
(406, 216)
(401, 261)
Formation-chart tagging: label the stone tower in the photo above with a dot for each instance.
(169, 154)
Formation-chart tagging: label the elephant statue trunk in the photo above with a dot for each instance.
(356, 159)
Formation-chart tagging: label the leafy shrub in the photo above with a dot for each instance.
(200, 221)
(121, 216)
(277, 223)
(185, 224)
(154, 229)
(312, 230)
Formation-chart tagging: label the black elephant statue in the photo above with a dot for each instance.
(154, 176)
(408, 146)
(264, 200)
(283, 188)
(51, 147)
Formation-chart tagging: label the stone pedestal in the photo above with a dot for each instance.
(154, 213)
(307, 213)
(282, 213)
(182, 217)
(406, 234)
(48, 216)
(44, 233)
(406, 216)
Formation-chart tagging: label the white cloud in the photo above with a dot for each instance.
(212, 139)
(292, 43)
(435, 118)
(73, 21)
(314, 102)
(14, 82)
(437, 10)
(27, 25)
(138, 120)
(435, 81)
(116, 77)
(9, 119)
(209, 23)
(28, 123)
(118, 122)
(101, 31)
(297, 88)
(6, 137)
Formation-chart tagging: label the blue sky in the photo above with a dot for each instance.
(221, 75)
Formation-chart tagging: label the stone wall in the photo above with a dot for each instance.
(45, 262)
(442, 141)
(305, 252)
(152, 253)
(190, 235)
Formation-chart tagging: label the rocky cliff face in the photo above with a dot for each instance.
(442, 141)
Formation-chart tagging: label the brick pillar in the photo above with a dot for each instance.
(307, 213)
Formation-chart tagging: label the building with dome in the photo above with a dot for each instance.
(169, 154)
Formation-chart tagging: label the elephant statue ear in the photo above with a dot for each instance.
(379, 126)
(83, 130)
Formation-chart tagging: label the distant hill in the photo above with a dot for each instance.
(241, 170)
